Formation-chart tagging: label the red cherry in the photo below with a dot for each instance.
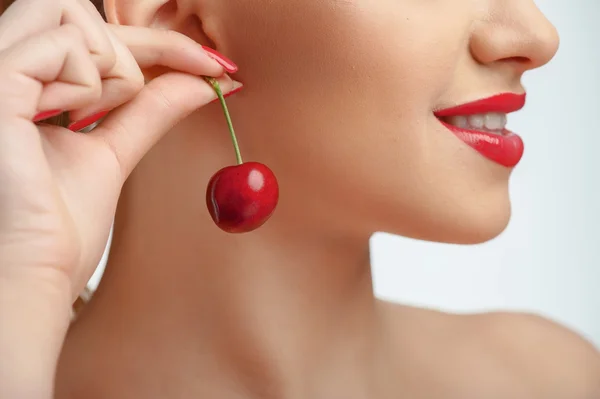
(241, 198)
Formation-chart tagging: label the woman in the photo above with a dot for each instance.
(368, 112)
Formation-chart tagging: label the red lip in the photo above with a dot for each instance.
(506, 149)
(503, 103)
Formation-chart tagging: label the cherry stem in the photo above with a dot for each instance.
(215, 85)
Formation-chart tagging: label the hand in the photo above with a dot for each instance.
(58, 188)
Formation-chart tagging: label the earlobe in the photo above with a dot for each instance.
(175, 15)
(147, 13)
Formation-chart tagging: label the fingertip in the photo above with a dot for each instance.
(236, 87)
(225, 62)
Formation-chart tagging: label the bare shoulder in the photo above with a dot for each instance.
(496, 355)
(550, 359)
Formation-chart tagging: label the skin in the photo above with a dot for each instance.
(339, 103)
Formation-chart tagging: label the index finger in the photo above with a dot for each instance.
(154, 47)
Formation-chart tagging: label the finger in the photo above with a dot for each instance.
(27, 18)
(49, 71)
(99, 42)
(139, 47)
(119, 85)
(153, 47)
(132, 130)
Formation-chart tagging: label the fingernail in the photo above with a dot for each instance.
(221, 59)
(229, 93)
(85, 122)
(47, 115)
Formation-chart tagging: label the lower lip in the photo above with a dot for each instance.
(506, 149)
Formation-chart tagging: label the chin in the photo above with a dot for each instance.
(456, 222)
(477, 229)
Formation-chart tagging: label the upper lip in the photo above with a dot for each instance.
(501, 103)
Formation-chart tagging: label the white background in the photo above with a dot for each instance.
(547, 261)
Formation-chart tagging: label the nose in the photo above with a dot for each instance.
(516, 32)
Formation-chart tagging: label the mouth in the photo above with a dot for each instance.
(492, 122)
(482, 126)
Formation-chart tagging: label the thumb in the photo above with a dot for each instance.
(131, 130)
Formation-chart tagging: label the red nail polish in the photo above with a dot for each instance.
(230, 93)
(47, 115)
(85, 122)
(221, 59)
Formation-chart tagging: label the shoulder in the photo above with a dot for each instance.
(550, 359)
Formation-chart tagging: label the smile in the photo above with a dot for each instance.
(482, 125)
(492, 122)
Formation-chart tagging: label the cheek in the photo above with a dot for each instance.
(353, 73)
(340, 95)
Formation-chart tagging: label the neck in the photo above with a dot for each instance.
(275, 309)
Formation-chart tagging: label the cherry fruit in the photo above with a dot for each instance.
(242, 197)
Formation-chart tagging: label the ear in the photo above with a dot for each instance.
(177, 15)
(134, 13)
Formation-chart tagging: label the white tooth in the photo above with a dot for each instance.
(459, 121)
(495, 121)
(476, 121)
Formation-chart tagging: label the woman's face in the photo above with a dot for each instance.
(340, 96)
